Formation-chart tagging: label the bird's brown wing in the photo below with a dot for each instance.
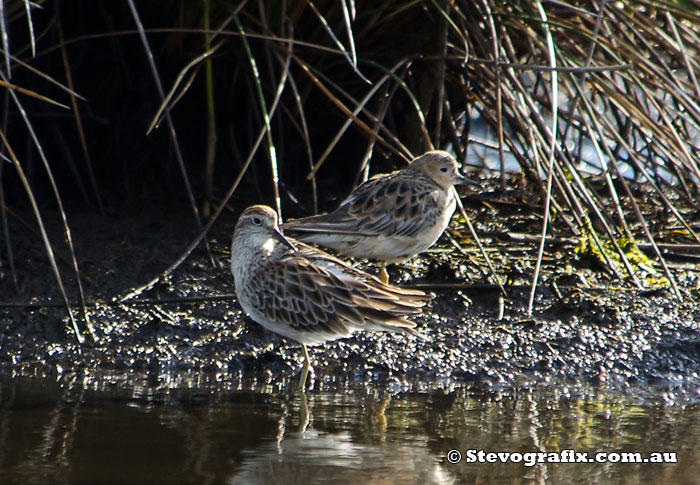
(307, 296)
(390, 204)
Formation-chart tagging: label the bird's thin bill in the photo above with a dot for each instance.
(278, 235)
(465, 181)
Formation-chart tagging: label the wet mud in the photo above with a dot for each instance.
(587, 324)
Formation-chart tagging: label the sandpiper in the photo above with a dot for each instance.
(305, 294)
(390, 217)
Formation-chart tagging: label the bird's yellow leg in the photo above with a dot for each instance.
(305, 369)
(383, 275)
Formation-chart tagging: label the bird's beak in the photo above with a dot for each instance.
(279, 237)
(462, 180)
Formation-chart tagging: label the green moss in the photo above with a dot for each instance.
(607, 254)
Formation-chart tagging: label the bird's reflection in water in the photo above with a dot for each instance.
(304, 415)
(81, 430)
(303, 454)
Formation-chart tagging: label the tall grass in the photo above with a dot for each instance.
(588, 99)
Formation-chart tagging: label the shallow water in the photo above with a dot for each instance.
(205, 429)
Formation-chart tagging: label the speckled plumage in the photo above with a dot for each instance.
(390, 217)
(305, 294)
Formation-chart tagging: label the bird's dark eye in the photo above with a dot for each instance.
(443, 169)
(257, 221)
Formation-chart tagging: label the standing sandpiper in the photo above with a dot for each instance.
(305, 294)
(390, 217)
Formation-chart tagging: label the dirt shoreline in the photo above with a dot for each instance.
(586, 325)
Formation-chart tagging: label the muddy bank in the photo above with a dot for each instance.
(586, 324)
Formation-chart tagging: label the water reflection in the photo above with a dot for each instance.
(317, 456)
(200, 429)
